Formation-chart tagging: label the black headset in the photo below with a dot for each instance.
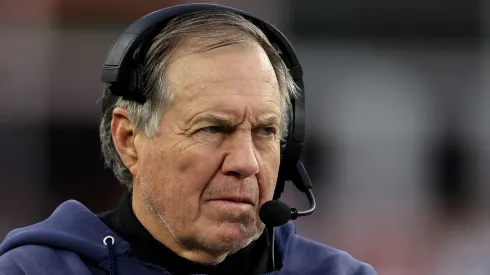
(123, 73)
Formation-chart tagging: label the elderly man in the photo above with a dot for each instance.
(199, 149)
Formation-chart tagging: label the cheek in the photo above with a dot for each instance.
(196, 166)
(178, 174)
(155, 174)
(268, 177)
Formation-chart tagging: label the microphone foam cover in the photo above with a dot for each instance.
(275, 213)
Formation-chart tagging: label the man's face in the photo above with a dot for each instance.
(216, 157)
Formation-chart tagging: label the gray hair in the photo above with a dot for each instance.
(213, 29)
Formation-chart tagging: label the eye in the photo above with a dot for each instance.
(267, 131)
(211, 129)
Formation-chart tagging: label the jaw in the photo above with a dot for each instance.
(215, 240)
(226, 235)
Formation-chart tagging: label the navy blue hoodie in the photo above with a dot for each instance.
(71, 241)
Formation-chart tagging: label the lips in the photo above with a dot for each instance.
(244, 199)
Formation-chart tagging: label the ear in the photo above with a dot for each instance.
(123, 135)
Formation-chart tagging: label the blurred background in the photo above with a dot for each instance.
(398, 132)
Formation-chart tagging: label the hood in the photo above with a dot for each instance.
(71, 227)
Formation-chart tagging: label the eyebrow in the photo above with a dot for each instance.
(227, 123)
(270, 121)
(215, 119)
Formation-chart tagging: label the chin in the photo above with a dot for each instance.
(232, 230)
(231, 237)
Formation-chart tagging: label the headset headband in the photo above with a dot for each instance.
(120, 62)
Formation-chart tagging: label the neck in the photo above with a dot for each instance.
(160, 232)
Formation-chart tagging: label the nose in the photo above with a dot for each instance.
(241, 157)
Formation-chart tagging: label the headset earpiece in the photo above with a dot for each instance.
(132, 87)
(136, 81)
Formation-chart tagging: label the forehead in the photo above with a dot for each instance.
(237, 72)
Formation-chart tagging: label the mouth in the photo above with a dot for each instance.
(237, 200)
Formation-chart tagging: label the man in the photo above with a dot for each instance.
(200, 156)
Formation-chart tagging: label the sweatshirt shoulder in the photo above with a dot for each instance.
(41, 260)
(318, 258)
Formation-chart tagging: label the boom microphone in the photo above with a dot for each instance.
(276, 213)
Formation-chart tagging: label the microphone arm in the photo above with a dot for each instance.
(302, 181)
(295, 213)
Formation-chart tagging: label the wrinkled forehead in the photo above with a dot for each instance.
(206, 40)
(191, 70)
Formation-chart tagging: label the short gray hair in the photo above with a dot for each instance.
(212, 28)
